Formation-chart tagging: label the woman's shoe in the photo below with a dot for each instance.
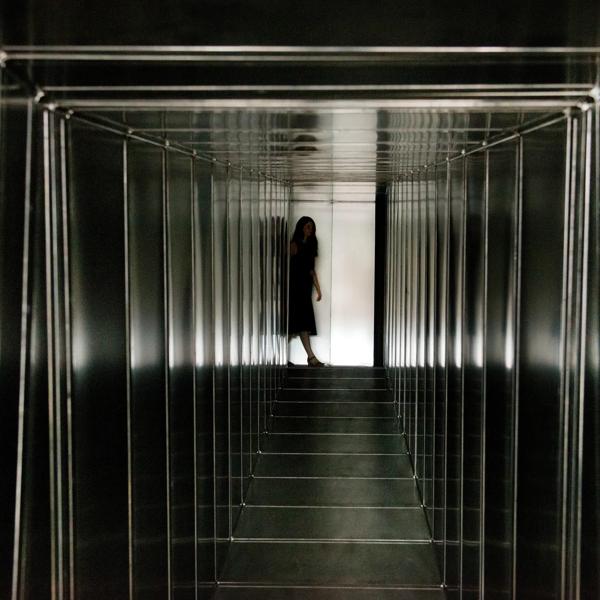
(313, 361)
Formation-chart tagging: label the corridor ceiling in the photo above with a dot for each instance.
(308, 114)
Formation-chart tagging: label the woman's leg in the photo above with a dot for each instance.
(305, 338)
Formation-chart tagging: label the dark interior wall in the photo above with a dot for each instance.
(25, 487)
(312, 22)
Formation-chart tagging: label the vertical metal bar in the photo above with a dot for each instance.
(258, 299)
(483, 423)
(565, 330)
(265, 306)
(446, 317)
(251, 250)
(390, 309)
(517, 258)
(227, 337)
(417, 320)
(418, 339)
(391, 295)
(403, 323)
(240, 329)
(193, 200)
(23, 358)
(388, 270)
(214, 393)
(394, 309)
(463, 293)
(401, 330)
(583, 282)
(56, 328)
(167, 342)
(68, 353)
(287, 268)
(50, 346)
(270, 286)
(128, 351)
(434, 350)
(423, 288)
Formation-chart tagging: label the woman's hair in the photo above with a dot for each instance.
(298, 237)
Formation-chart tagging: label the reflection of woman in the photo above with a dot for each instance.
(303, 251)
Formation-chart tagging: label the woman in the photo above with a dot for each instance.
(303, 251)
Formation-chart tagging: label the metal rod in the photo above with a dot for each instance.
(52, 375)
(167, 284)
(128, 350)
(463, 337)
(588, 154)
(227, 343)
(214, 367)
(240, 328)
(64, 188)
(445, 367)
(24, 341)
(516, 301)
(484, 365)
(298, 53)
(196, 433)
(565, 333)
(433, 350)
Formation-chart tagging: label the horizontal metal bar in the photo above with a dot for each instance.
(365, 541)
(301, 378)
(351, 106)
(283, 586)
(329, 506)
(330, 433)
(498, 88)
(278, 53)
(333, 477)
(335, 453)
(291, 389)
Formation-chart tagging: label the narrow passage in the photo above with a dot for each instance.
(333, 511)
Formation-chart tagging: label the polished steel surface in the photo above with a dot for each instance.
(589, 450)
(147, 197)
(508, 241)
(147, 364)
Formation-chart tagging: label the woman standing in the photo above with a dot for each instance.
(304, 248)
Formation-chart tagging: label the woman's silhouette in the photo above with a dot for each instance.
(303, 251)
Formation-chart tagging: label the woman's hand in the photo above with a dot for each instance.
(319, 296)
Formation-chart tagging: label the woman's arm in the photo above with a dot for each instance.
(316, 283)
(293, 248)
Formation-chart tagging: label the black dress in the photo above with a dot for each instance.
(302, 316)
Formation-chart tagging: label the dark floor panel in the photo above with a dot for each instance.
(333, 425)
(333, 523)
(369, 444)
(299, 465)
(333, 492)
(263, 593)
(355, 383)
(336, 396)
(346, 564)
(347, 409)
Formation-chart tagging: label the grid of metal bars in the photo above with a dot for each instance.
(484, 296)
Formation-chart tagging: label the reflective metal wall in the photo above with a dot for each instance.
(491, 349)
(145, 289)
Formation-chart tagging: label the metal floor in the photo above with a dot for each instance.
(333, 511)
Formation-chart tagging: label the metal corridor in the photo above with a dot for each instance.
(155, 443)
